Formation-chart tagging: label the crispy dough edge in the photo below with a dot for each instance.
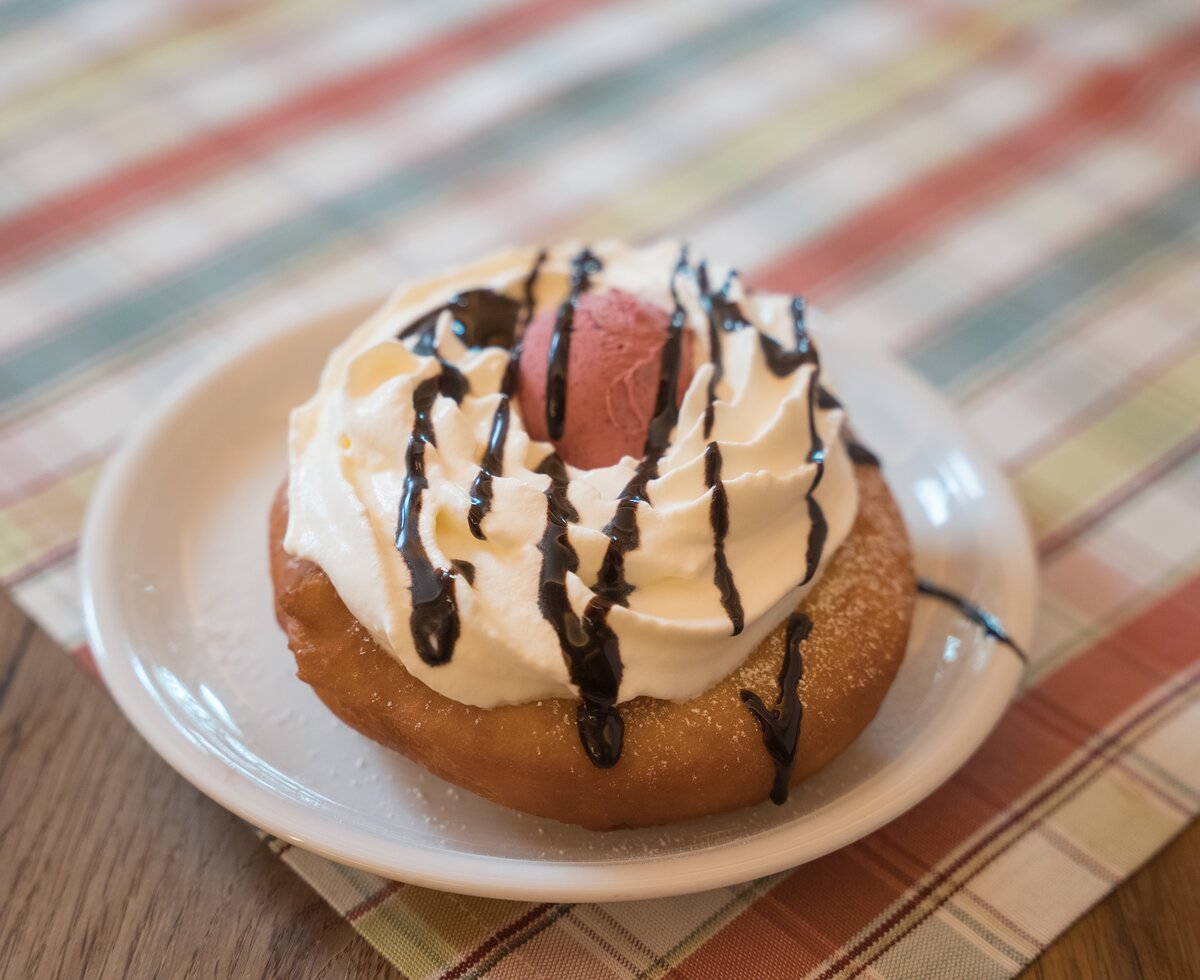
(681, 760)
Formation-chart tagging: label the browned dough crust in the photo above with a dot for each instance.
(680, 760)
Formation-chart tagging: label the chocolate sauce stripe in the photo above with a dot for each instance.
(530, 285)
(781, 724)
(782, 362)
(718, 515)
(492, 464)
(588, 645)
(973, 612)
(818, 531)
(490, 467)
(434, 621)
(723, 316)
(622, 529)
(558, 356)
(451, 382)
(480, 318)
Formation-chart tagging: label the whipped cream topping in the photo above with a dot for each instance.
(784, 500)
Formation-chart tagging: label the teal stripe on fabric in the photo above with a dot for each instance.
(17, 14)
(963, 348)
(169, 303)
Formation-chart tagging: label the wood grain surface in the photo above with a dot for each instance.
(111, 865)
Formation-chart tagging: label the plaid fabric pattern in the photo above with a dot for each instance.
(1007, 195)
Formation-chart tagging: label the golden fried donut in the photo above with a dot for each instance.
(680, 759)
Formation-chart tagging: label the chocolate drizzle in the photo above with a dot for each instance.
(588, 644)
(859, 454)
(451, 382)
(781, 724)
(530, 284)
(724, 316)
(622, 530)
(783, 362)
(975, 613)
(492, 464)
(583, 266)
(819, 531)
(479, 318)
(718, 516)
(611, 586)
(434, 620)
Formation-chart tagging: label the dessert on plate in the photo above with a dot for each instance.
(585, 530)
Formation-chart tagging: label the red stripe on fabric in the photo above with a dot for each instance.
(948, 817)
(494, 940)
(1060, 717)
(765, 948)
(1107, 745)
(374, 901)
(1166, 642)
(1020, 754)
(889, 859)
(1054, 717)
(926, 892)
(86, 208)
(797, 924)
(1095, 689)
(1106, 100)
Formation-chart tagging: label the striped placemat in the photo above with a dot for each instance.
(1005, 195)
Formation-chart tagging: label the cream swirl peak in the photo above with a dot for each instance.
(495, 572)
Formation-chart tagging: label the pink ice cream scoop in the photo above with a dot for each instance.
(612, 376)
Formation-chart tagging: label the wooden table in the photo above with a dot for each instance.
(111, 865)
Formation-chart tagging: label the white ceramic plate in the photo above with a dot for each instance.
(180, 618)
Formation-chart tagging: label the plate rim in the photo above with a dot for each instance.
(509, 878)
